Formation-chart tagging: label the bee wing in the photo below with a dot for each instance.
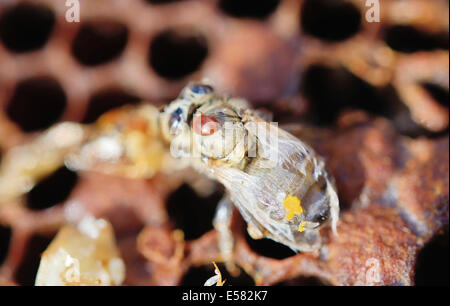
(282, 166)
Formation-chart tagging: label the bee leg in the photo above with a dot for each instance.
(254, 231)
(222, 224)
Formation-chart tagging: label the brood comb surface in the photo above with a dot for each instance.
(297, 58)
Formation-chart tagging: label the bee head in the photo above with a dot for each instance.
(179, 112)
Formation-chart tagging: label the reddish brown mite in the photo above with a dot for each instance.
(205, 125)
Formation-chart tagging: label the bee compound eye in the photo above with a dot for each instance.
(175, 119)
(201, 89)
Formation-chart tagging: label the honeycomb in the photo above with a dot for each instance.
(371, 97)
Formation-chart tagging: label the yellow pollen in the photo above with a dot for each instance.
(292, 205)
(301, 227)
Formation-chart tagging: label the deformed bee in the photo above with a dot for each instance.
(277, 182)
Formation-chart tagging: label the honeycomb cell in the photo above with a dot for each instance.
(52, 190)
(105, 100)
(439, 94)
(99, 42)
(409, 39)
(258, 9)
(191, 213)
(26, 27)
(333, 90)
(269, 248)
(330, 20)
(174, 54)
(36, 103)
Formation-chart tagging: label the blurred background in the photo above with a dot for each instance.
(326, 64)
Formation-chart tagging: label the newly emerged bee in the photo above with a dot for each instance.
(277, 182)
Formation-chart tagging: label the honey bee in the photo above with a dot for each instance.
(277, 182)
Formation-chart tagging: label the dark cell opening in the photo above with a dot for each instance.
(192, 213)
(269, 248)
(331, 90)
(401, 116)
(197, 276)
(258, 9)
(303, 281)
(161, 1)
(5, 238)
(331, 20)
(440, 94)
(52, 190)
(106, 100)
(36, 103)
(99, 42)
(26, 27)
(125, 221)
(176, 54)
(27, 270)
(409, 39)
(432, 263)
